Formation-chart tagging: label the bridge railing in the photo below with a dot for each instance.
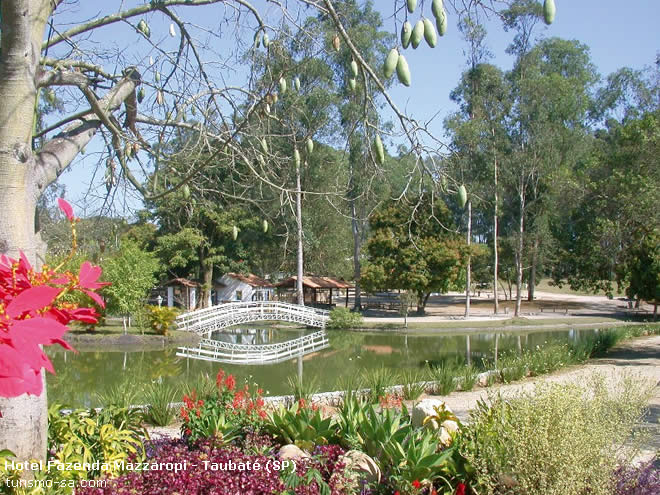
(207, 317)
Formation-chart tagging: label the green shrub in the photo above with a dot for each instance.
(159, 396)
(511, 367)
(161, 318)
(84, 436)
(343, 318)
(556, 440)
(301, 425)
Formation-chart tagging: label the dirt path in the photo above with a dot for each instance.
(639, 356)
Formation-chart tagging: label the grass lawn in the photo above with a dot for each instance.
(545, 286)
(115, 327)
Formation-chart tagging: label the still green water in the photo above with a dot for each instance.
(81, 376)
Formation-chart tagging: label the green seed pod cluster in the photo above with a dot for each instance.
(144, 28)
(549, 11)
(403, 71)
(429, 33)
(417, 34)
(441, 22)
(378, 150)
(391, 63)
(352, 84)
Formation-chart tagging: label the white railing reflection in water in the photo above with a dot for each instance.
(207, 320)
(227, 352)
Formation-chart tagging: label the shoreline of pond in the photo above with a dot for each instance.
(146, 342)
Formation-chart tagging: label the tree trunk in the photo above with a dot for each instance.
(356, 256)
(299, 227)
(207, 281)
(532, 273)
(495, 253)
(23, 426)
(24, 176)
(469, 260)
(519, 250)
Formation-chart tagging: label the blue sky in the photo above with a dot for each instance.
(618, 34)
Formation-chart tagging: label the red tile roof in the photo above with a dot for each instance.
(316, 283)
(251, 279)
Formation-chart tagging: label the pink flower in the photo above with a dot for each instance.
(66, 208)
(87, 281)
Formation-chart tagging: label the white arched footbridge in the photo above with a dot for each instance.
(208, 320)
(227, 352)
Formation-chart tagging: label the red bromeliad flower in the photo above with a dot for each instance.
(461, 489)
(416, 484)
(32, 314)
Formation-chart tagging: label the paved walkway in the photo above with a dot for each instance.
(639, 356)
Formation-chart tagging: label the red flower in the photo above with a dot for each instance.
(219, 377)
(66, 208)
(416, 484)
(230, 382)
(461, 489)
(87, 281)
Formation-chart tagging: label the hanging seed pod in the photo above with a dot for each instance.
(275, 98)
(140, 95)
(354, 68)
(296, 157)
(193, 110)
(264, 145)
(282, 85)
(406, 33)
(159, 97)
(417, 34)
(336, 42)
(437, 8)
(266, 40)
(172, 30)
(462, 196)
(429, 33)
(378, 150)
(390, 63)
(441, 22)
(296, 83)
(234, 232)
(309, 144)
(549, 11)
(186, 191)
(157, 77)
(151, 61)
(352, 84)
(402, 71)
(411, 4)
(264, 226)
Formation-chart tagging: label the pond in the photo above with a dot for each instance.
(81, 376)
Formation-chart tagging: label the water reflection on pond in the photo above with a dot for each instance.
(80, 376)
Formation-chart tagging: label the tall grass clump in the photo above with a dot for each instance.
(377, 381)
(468, 377)
(121, 395)
(413, 384)
(511, 367)
(303, 388)
(159, 396)
(559, 439)
(444, 377)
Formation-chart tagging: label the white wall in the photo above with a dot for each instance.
(231, 285)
